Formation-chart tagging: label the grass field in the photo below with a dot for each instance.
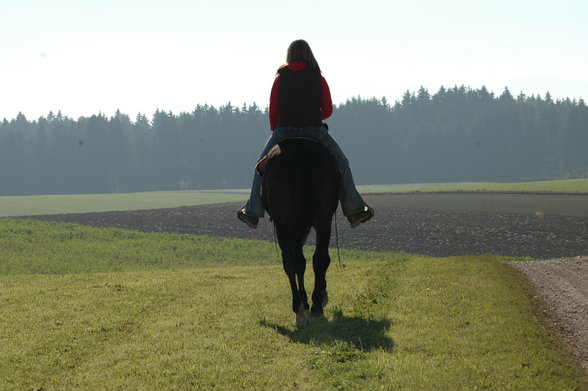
(561, 186)
(96, 309)
(81, 203)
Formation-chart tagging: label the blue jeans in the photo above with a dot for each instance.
(351, 201)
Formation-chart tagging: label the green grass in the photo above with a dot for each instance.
(560, 186)
(189, 313)
(411, 187)
(33, 247)
(80, 203)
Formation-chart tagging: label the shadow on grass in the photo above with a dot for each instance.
(363, 334)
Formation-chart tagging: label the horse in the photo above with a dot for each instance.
(300, 190)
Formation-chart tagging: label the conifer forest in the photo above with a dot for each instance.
(454, 135)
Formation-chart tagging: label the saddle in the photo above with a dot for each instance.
(275, 151)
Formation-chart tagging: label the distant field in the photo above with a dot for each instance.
(410, 187)
(558, 186)
(80, 203)
(87, 308)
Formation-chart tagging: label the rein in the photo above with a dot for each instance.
(337, 239)
(276, 242)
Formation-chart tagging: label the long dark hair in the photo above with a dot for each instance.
(299, 50)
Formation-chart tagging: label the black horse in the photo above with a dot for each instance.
(301, 184)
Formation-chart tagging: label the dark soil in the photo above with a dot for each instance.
(436, 225)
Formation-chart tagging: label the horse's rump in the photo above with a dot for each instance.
(301, 184)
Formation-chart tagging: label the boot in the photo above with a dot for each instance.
(251, 221)
(361, 217)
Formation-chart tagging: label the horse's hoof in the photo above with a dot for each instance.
(325, 299)
(316, 311)
(301, 320)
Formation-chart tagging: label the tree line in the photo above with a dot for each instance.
(456, 134)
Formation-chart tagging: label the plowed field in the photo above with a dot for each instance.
(538, 226)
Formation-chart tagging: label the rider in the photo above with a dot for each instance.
(300, 100)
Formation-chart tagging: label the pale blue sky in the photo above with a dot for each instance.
(85, 57)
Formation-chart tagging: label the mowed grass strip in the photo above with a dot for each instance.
(556, 186)
(35, 247)
(81, 203)
(393, 322)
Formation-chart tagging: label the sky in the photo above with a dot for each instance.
(88, 57)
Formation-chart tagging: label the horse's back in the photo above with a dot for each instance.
(302, 183)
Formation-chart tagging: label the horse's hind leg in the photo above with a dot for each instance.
(295, 266)
(295, 273)
(320, 263)
(299, 298)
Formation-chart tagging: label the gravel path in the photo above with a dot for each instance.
(563, 285)
(552, 229)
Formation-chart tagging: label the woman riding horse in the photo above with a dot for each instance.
(300, 100)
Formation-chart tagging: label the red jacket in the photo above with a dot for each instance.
(326, 102)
